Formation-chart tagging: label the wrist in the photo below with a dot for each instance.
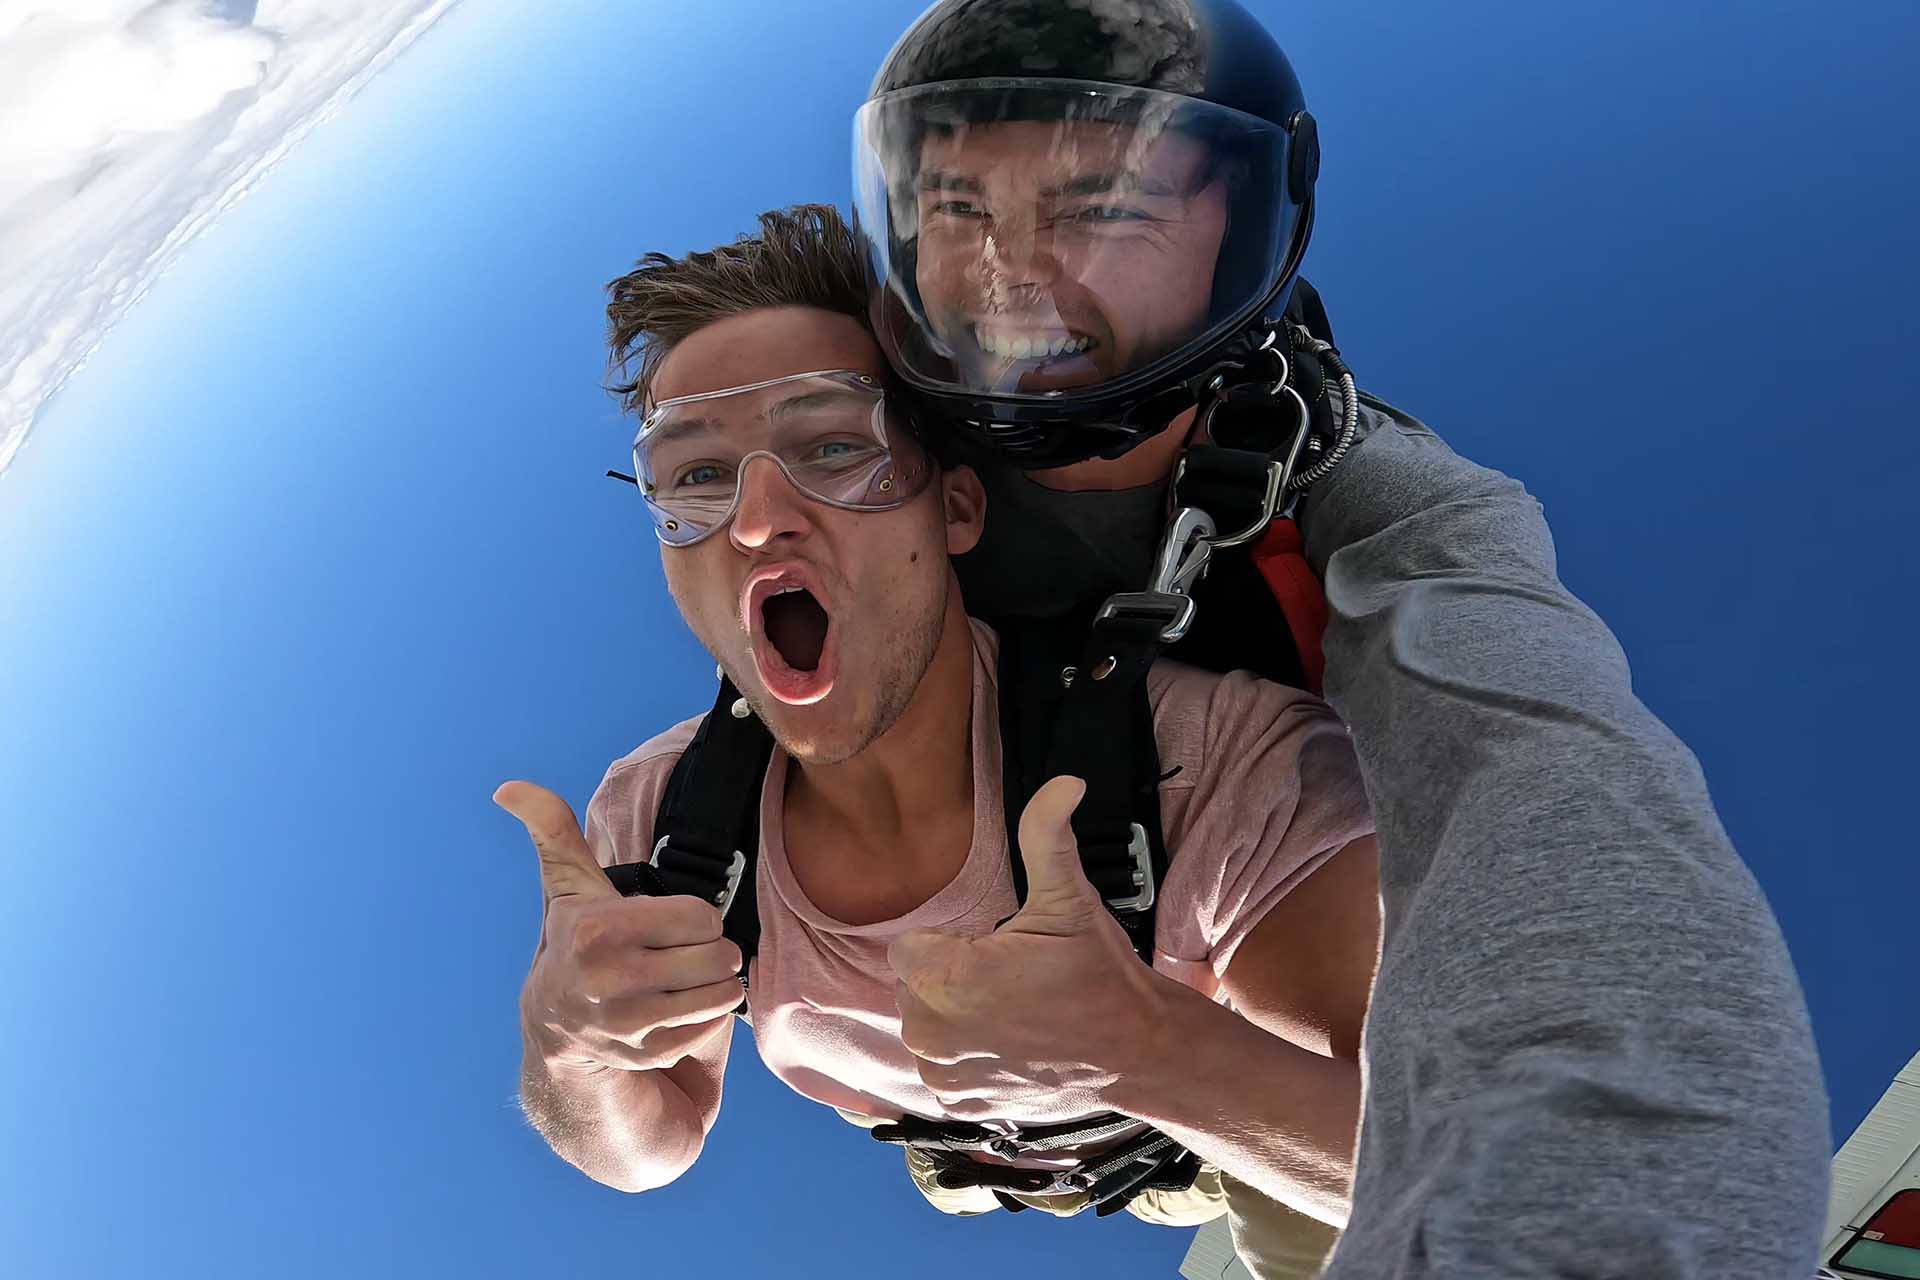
(545, 1055)
(1153, 1060)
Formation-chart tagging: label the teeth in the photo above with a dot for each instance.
(1020, 347)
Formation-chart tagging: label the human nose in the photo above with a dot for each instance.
(1016, 253)
(770, 506)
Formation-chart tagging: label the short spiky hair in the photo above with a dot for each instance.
(804, 256)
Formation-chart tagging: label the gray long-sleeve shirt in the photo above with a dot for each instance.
(1587, 1054)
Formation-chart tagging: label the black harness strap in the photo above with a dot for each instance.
(1066, 709)
(1103, 733)
(707, 831)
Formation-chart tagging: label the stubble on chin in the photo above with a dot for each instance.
(899, 675)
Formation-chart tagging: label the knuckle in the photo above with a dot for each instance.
(926, 1045)
(912, 1036)
(588, 933)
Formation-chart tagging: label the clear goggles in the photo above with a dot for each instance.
(832, 434)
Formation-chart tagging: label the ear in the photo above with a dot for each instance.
(963, 502)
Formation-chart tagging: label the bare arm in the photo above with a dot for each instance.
(625, 1017)
(1270, 1091)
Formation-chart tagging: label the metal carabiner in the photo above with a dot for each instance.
(1181, 560)
(1280, 471)
(1184, 552)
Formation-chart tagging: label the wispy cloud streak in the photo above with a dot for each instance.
(126, 127)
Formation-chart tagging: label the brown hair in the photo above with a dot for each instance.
(804, 256)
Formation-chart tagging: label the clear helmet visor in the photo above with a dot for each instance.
(1030, 238)
(833, 435)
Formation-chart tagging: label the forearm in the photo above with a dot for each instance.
(630, 1130)
(1277, 1117)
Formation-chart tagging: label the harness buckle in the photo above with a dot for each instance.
(1142, 854)
(1174, 613)
(1178, 564)
(736, 870)
(1184, 551)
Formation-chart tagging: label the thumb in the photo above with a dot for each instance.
(1048, 848)
(567, 865)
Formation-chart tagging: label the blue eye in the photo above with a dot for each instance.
(839, 454)
(702, 473)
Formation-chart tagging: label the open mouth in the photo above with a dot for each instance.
(797, 626)
(792, 635)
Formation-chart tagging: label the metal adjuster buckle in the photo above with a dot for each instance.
(1173, 613)
(1142, 854)
(1182, 558)
(735, 870)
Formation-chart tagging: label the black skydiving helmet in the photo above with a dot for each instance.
(1076, 211)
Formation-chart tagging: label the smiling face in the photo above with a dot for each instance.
(1065, 254)
(824, 618)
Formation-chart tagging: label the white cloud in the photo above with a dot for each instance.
(126, 126)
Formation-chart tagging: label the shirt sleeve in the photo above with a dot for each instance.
(1268, 790)
(619, 822)
(1587, 1051)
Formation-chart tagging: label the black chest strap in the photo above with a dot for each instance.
(1073, 700)
(707, 831)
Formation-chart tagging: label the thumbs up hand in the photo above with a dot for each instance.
(1038, 1020)
(634, 984)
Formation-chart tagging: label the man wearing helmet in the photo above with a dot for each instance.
(1085, 220)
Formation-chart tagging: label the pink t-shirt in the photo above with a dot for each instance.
(1267, 790)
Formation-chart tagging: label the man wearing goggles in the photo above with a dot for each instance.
(832, 438)
(899, 975)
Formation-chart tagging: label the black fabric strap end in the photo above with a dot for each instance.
(636, 879)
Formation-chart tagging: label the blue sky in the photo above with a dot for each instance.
(316, 550)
